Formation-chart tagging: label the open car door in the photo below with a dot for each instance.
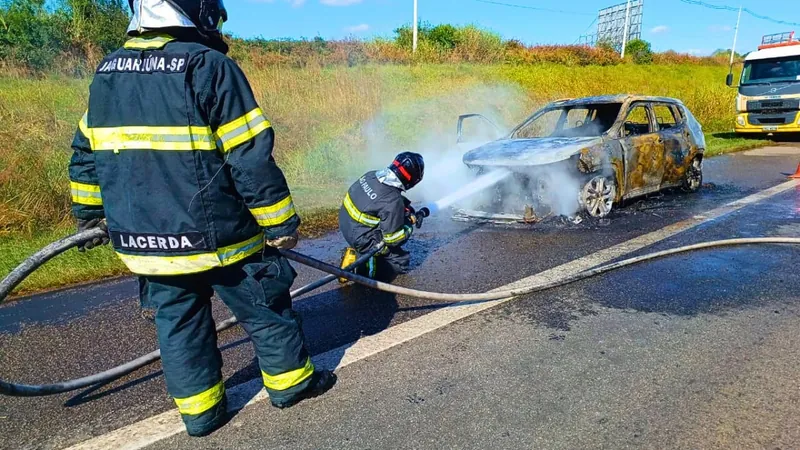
(479, 131)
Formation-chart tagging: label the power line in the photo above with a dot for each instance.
(585, 31)
(735, 9)
(534, 8)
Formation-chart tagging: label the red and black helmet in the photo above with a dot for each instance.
(409, 168)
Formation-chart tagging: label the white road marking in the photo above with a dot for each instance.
(164, 425)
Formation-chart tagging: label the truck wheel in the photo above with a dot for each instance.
(597, 196)
(693, 179)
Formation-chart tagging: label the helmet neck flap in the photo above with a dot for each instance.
(190, 20)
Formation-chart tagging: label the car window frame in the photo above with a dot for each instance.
(676, 114)
(650, 118)
(612, 131)
(669, 108)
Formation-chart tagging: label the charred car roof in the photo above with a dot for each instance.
(618, 98)
(513, 150)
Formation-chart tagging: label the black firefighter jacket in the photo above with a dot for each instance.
(373, 212)
(175, 153)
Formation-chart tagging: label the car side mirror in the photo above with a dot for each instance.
(729, 80)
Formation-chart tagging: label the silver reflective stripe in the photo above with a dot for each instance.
(233, 134)
(275, 215)
(81, 193)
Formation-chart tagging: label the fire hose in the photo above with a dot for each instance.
(39, 258)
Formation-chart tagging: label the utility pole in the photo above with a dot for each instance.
(735, 36)
(625, 31)
(414, 44)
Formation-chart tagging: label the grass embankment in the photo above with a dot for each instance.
(331, 125)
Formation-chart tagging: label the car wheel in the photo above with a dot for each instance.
(597, 196)
(693, 179)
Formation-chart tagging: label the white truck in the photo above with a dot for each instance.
(769, 88)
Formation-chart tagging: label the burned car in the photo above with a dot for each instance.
(589, 154)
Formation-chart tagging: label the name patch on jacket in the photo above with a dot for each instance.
(148, 63)
(367, 188)
(159, 242)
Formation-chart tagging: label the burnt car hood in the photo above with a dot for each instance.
(527, 152)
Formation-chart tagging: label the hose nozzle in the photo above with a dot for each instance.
(418, 217)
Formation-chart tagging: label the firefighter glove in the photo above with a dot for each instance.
(418, 220)
(283, 242)
(409, 231)
(84, 225)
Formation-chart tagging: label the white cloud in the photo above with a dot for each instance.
(660, 29)
(357, 28)
(340, 2)
(720, 28)
(294, 3)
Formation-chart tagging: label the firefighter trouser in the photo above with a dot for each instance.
(257, 292)
(387, 263)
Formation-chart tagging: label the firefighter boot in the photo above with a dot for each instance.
(348, 259)
(321, 382)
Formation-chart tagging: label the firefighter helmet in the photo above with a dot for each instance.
(409, 168)
(206, 16)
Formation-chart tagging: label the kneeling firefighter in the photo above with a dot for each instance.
(174, 159)
(374, 210)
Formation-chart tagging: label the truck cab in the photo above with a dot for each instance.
(769, 88)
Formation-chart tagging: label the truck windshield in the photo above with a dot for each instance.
(775, 70)
(589, 120)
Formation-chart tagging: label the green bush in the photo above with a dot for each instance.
(29, 34)
(33, 33)
(102, 23)
(639, 51)
(444, 36)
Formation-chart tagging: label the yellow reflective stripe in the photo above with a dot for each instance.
(85, 194)
(185, 264)
(237, 252)
(285, 380)
(358, 216)
(276, 214)
(148, 42)
(83, 124)
(202, 402)
(169, 265)
(397, 236)
(242, 129)
(151, 138)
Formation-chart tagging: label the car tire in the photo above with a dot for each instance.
(693, 179)
(597, 196)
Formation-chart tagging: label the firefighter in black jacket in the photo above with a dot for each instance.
(174, 159)
(374, 210)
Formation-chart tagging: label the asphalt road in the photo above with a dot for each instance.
(695, 351)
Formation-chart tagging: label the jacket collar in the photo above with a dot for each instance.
(149, 41)
(388, 178)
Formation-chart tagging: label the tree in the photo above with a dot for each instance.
(30, 34)
(404, 35)
(639, 51)
(444, 36)
(726, 52)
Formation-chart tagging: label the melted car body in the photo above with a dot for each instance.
(623, 145)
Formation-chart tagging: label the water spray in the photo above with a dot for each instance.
(480, 184)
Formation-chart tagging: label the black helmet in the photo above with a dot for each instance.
(206, 15)
(409, 168)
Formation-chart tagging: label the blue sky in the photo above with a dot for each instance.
(668, 24)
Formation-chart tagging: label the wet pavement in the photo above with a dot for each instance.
(694, 351)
